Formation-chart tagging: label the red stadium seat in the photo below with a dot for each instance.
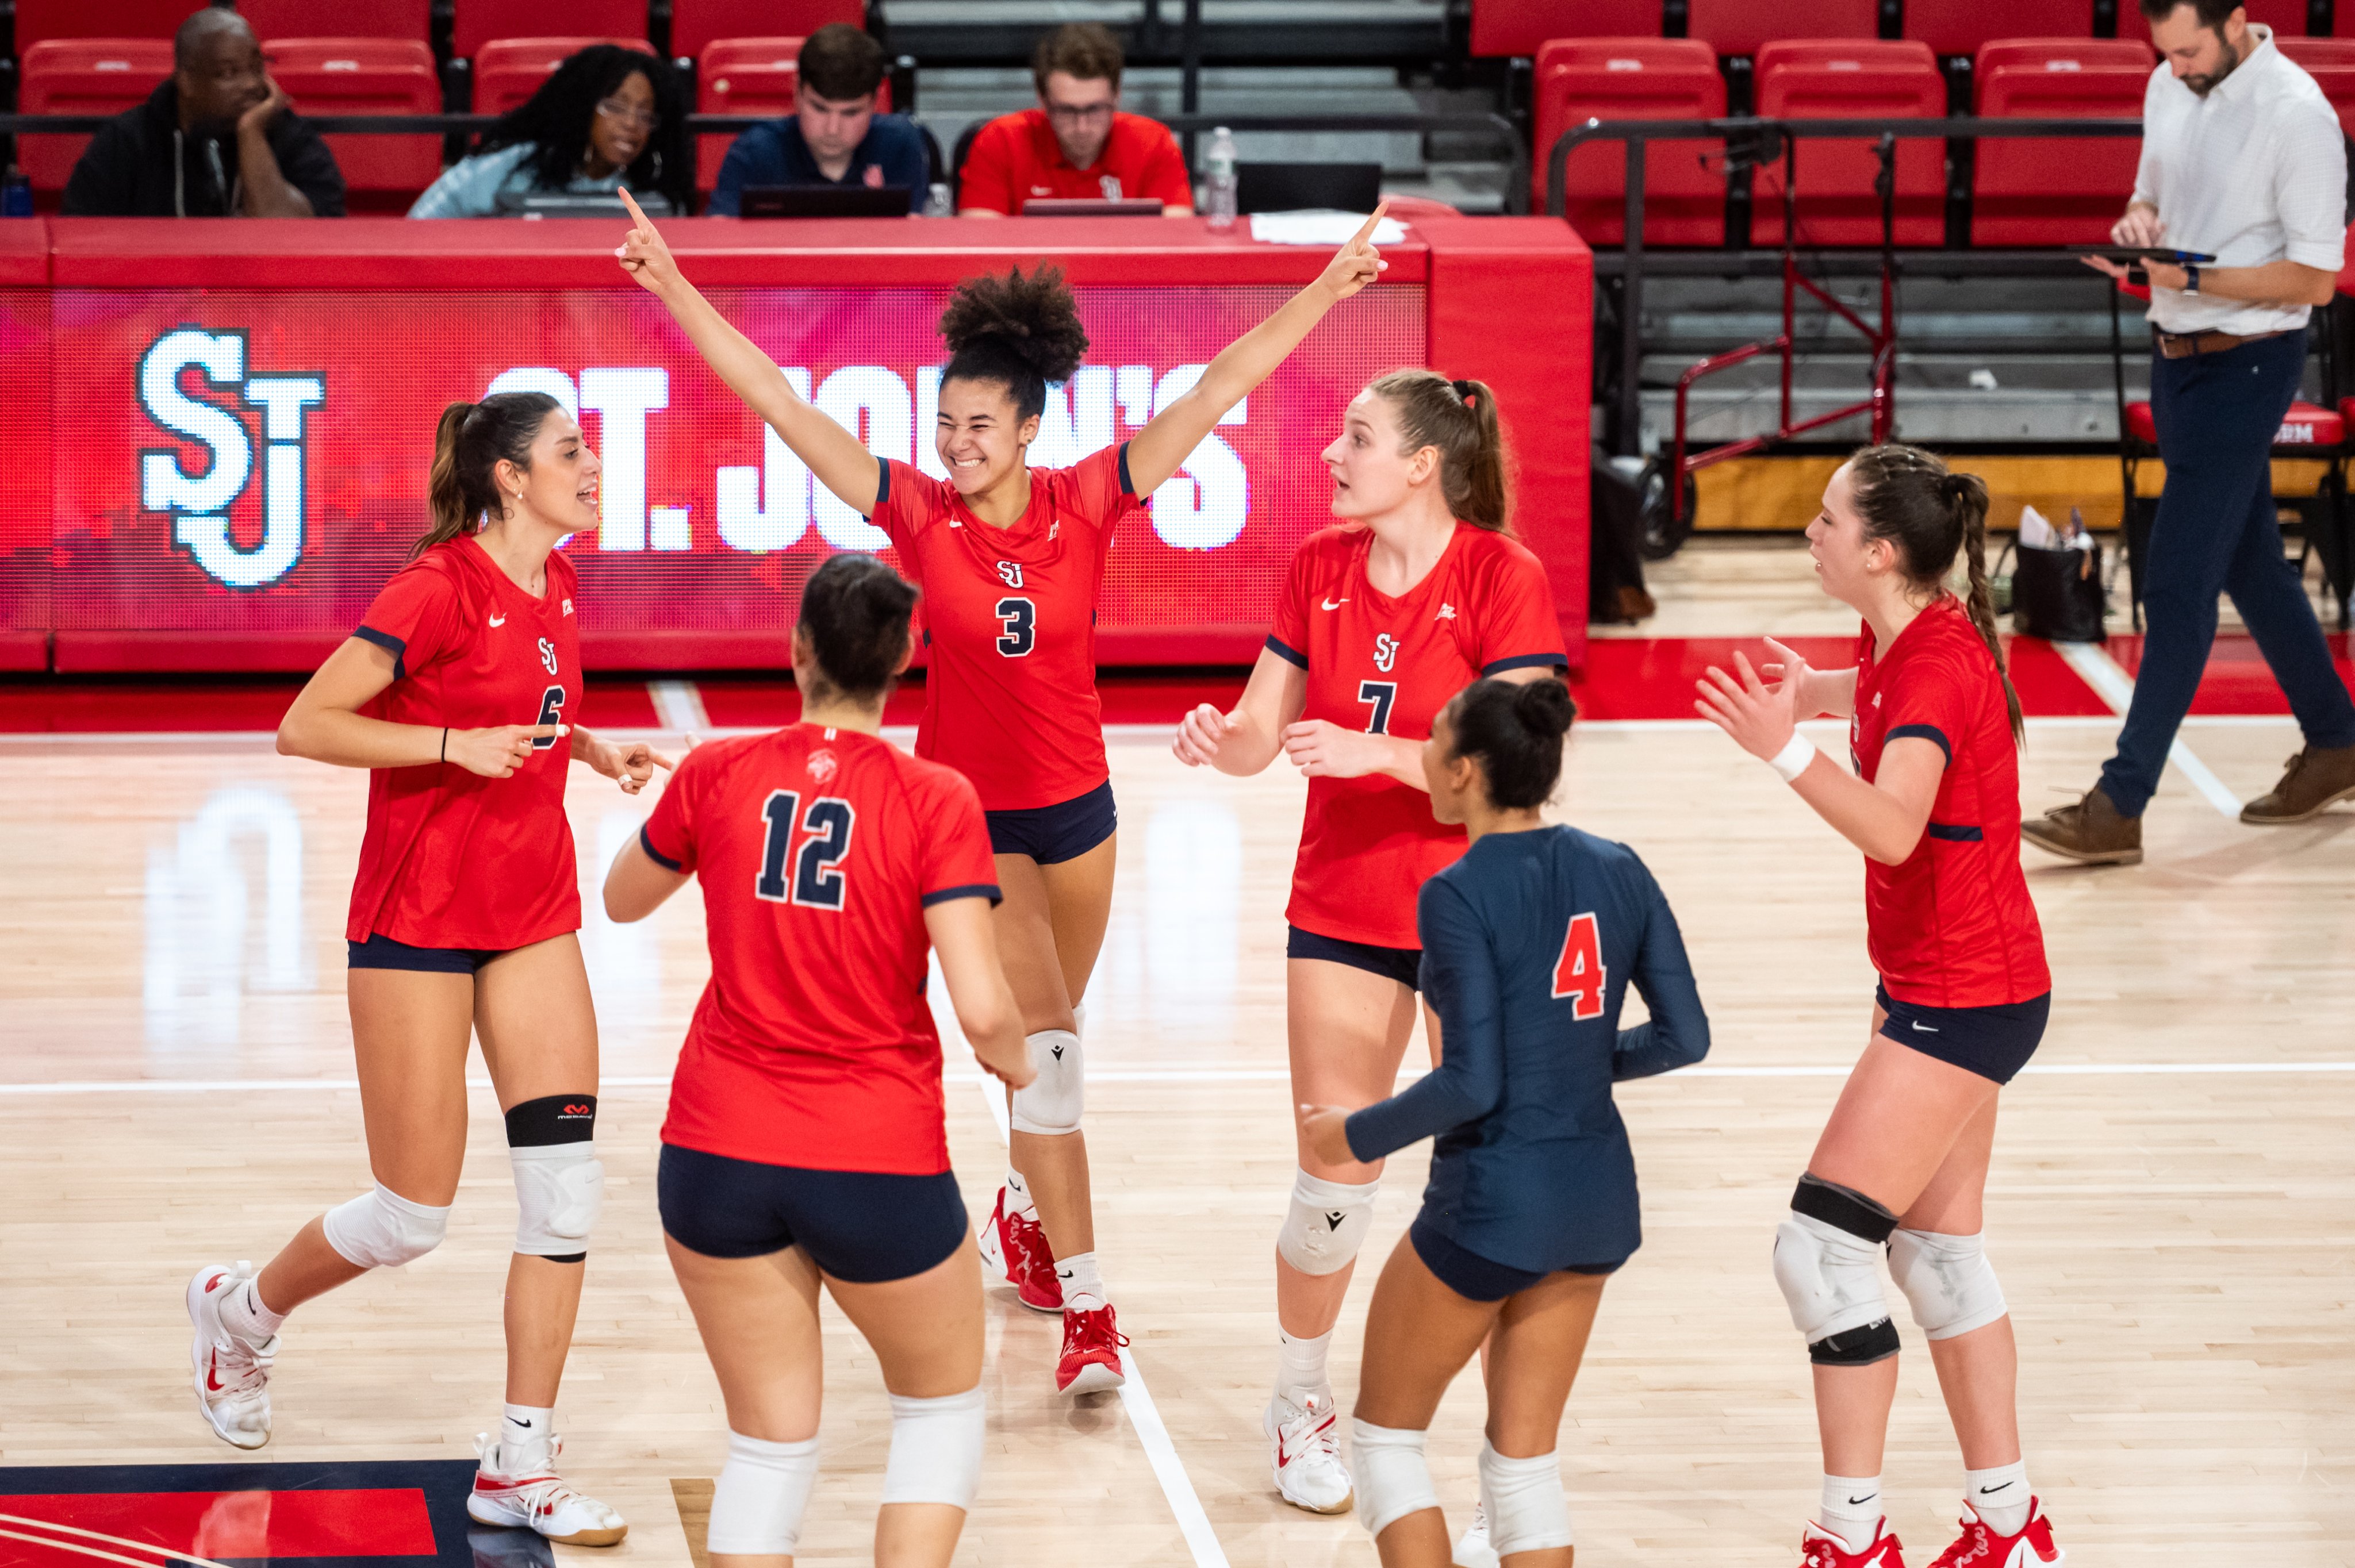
(1741, 26)
(409, 19)
(2285, 17)
(1509, 27)
(1842, 80)
(749, 76)
(1961, 27)
(483, 21)
(1633, 79)
(509, 70)
(696, 25)
(83, 76)
(2055, 191)
(2306, 425)
(38, 21)
(2062, 54)
(2331, 63)
(367, 76)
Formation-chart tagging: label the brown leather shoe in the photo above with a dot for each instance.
(2317, 778)
(2090, 831)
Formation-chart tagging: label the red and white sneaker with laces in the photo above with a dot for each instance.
(1014, 1246)
(521, 1489)
(1980, 1547)
(1819, 1548)
(1092, 1342)
(233, 1377)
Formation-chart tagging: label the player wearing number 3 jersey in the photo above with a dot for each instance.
(1419, 592)
(458, 693)
(1010, 558)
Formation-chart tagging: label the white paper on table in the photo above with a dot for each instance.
(1320, 226)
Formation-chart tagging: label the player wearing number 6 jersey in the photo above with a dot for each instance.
(1530, 942)
(457, 693)
(1902, 1167)
(805, 1141)
(1010, 558)
(1382, 620)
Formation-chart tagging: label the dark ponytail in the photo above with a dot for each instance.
(1930, 514)
(1021, 333)
(1515, 729)
(468, 444)
(1459, 417)
(855, 612)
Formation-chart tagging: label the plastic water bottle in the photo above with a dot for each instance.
(940, 202)
(1220, 163)
(15, 193)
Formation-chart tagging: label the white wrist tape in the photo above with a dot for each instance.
(1792, 760)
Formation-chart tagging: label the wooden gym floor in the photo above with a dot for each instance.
(2172, 1209)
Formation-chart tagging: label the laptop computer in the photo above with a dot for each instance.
(823, 201)
(1091, 207)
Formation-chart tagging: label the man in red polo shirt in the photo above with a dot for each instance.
(1077, 142)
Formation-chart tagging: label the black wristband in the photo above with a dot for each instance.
(445, 743)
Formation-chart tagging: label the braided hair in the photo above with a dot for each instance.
(554, 123)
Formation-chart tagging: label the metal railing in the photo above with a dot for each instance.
(1749, 141)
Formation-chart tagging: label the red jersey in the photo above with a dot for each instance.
(1010, 618)
(819, 850)
(1016, 157)
(1387, 666)
(452, 859)
(1952, 927)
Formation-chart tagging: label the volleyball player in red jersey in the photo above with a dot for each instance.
(1964, 997)
(1417, 592)
(456, 692)
(806, 1140)
(1010, 559)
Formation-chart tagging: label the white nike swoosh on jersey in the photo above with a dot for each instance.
(1925, 1028)
(498, 620)
(1335, 603)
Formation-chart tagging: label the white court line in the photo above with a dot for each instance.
(679, 706)
(2114, 686)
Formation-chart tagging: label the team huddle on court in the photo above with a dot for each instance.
(1414, 671)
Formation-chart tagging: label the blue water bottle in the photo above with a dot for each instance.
(15, 193)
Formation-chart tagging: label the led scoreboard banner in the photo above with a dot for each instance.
(227, 471)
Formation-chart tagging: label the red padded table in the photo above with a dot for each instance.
(243, 416)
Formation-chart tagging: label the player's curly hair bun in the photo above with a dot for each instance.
(1515, 732)
(1021, 332)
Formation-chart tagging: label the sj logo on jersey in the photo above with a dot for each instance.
(1012, 572)
(1386, 649)
(548, 655)
(198, 499)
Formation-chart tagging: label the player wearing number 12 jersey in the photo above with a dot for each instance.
(1010, 558)
(458, 691)
(1382, 620)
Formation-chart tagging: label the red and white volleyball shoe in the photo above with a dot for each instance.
(1306, 1458)
(233, 1377)
(1014, 1246)
(1092, 1342)
(1819, 1548)
(521, 1489)
(1979, 1546)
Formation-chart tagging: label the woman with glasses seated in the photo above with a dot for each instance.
(609, 119)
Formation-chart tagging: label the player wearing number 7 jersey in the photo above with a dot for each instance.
(1010, 558)
(1382, 620)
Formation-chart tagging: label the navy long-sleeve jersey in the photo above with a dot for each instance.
(1528, 943)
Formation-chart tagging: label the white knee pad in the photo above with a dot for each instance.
(1948, 1281)
(1050, 1103)
(1387, 1472)
(1326, 1223)
(758, 1499)
(381, 1229)
(937, 1449)
(1524, 1500)
(559, 1188)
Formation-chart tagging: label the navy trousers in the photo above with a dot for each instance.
(2216, 533)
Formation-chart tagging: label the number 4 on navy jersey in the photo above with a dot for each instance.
(1579, 972)
(817, 876)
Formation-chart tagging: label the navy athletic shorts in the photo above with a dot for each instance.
(1993, 1042)
(1049, 834)
(864, 1226)
(1403, 964)
(383, 953)
(1476, 1279)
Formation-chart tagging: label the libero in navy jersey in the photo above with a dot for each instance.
(1530, 942)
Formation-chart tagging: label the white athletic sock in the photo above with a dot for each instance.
(1083, 1286)
(1300, 1366)
(1851, 1509)
(1018, 1195)
(1999, 1495)
(243, 1315)
(524, 1435)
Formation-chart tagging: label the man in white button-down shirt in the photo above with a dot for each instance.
(2244, 160)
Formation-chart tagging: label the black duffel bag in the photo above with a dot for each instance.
(2057, 594)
